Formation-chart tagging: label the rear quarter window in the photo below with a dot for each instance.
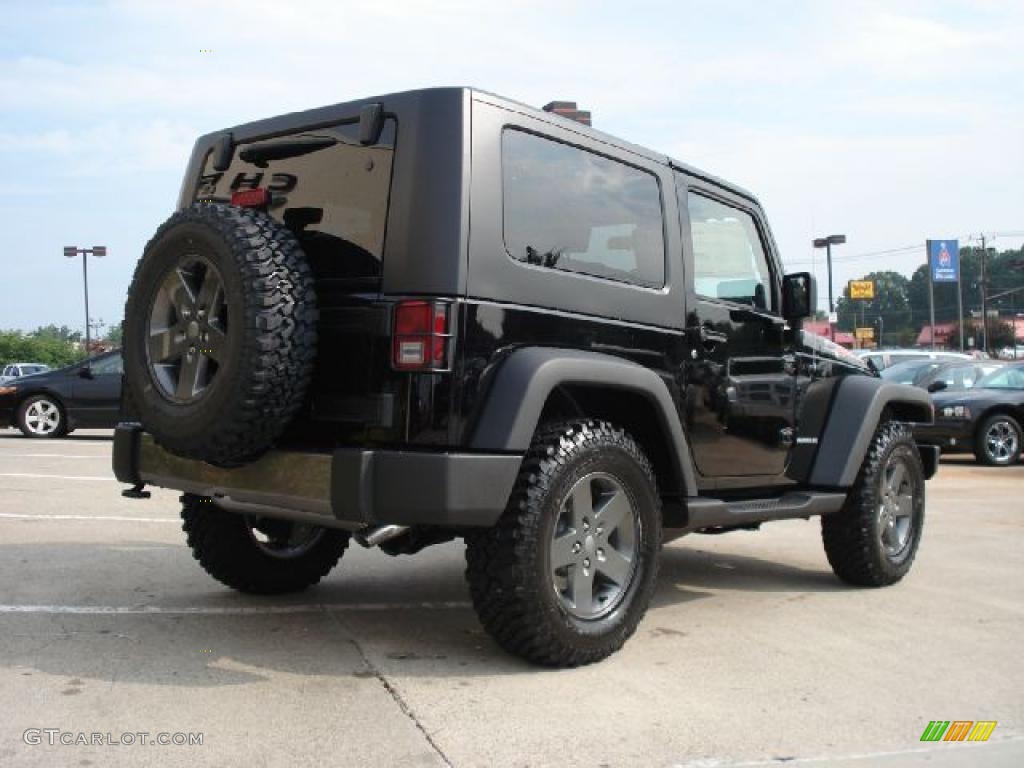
(570, 209)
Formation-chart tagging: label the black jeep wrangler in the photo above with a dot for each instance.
(442, 313)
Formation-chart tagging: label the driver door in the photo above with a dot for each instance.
(740, 373)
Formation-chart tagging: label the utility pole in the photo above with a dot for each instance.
(931, 291)
(984, 299)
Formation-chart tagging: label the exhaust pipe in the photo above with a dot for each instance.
(371, 537)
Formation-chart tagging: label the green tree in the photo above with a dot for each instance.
(891, 304)
(17, 346)
(114, 334)
(61, 333)
(1004, 272)
(1000, 334)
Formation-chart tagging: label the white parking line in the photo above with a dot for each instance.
(104, 456)
(114, 518)
(56, 477)
(234, 610)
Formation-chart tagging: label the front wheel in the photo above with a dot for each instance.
(872, 540)
(42, 416)
(565, 576)
(259, 555)
(998, 442)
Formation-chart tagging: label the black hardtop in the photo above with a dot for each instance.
(431, 101)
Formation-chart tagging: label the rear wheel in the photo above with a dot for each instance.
(998, 441)
(42, 416)
(873, 539)
(259, 555)
(566, 575)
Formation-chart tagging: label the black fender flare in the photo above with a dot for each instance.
(855, 411)
(521, 385)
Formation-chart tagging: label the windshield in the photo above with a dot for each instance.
(1007, 378)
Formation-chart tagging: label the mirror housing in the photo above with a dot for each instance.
(85, 372)
(937, 386)
(799, 295)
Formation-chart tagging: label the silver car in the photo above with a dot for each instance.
(17, 370)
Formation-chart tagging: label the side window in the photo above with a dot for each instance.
(108, 365)
(567, 208)
(729, 260)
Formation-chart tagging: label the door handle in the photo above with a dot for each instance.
(710, 337)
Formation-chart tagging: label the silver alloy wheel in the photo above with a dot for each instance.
(282, 539)
(896, 506)
(595, 546)
(42, 418)
(186, 336)
(1001, 441)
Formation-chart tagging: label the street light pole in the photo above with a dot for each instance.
(827, 243)
(99, 251)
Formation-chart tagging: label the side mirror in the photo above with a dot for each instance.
(85, 372)
(937, 386)
(799, 295)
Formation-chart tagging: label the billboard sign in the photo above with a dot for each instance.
(864, 334)
(862, 289)
(944, 260)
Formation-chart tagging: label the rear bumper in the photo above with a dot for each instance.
(351, 487)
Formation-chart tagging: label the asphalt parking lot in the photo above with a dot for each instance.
(752, 653)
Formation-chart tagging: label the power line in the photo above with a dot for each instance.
(902, 249)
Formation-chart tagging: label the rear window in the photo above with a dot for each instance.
(570, 209)
(333, 192)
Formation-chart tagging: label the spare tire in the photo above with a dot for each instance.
(219, 333)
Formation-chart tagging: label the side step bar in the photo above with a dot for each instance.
(716, 513)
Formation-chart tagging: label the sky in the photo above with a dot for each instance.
(889, 122)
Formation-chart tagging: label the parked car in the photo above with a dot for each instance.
(84, 395)
(936, 375)
(985, 419)
(17, 370)
(880, 359)
(319, 348)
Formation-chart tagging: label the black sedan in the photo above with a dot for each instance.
(51, 404)
(985, 419)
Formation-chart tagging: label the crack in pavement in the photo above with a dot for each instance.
(392, 691)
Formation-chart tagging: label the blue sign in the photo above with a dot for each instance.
(944, 260)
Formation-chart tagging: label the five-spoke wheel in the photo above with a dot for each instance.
(594, 546)
(188, 322)
(41, 416)
(896, 506)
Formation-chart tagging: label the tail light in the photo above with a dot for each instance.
(422, 336)
(251, 198)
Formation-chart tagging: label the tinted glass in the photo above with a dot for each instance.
(330, 190)
(729, 260)
(1007, 378)
(567, 208)
(107, 365)
(909, 372)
